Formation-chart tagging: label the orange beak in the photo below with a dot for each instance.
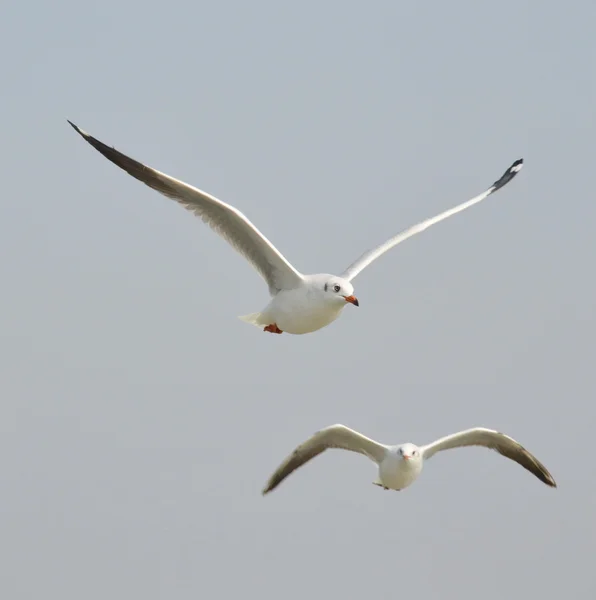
(352, 300)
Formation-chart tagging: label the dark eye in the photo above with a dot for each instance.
(336, 288)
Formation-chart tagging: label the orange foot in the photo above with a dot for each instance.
(273, 328)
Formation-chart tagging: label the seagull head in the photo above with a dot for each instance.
(338, 290)
(409, 453)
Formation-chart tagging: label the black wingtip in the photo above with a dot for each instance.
(549, 479)
(77, 129)
(509, 174)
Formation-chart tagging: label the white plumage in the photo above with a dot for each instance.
(400, 465)
(299, 303)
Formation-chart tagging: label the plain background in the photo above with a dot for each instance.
(140, 418)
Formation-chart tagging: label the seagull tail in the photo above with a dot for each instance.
(258, 319)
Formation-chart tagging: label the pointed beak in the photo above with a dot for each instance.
(352, 300)
(406, 457)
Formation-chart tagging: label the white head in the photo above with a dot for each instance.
(337, 290)
(409, 453)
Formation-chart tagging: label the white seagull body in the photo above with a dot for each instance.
(299, 303)
(399, 466)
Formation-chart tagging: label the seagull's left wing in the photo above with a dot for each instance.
(371, 255)
(503, 444)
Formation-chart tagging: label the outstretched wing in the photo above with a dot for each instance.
(224, 219)
(494, 440)
(371, 255)
(335, 436)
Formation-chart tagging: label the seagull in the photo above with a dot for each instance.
(400, 466)
(299, 303)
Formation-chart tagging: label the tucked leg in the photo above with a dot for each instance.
(380, 485)
(273, 328)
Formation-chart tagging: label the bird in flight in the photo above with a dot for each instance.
(399, 466)
(299, 303)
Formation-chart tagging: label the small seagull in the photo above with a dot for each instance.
(400, 466)
(299, 303)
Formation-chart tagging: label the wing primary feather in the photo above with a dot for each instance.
(509, 174)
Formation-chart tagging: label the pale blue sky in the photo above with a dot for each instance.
(140, 418)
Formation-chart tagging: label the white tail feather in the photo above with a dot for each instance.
(257, 319)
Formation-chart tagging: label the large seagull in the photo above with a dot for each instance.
(299, 303)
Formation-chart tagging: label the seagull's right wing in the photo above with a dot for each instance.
(373, 254)
(224, 219)
(335, 436)
(495, 440)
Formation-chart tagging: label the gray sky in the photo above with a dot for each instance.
(140, 418)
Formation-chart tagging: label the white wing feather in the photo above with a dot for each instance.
(224, 219)
(369, 256)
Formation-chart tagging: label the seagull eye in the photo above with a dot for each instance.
(336, 288)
